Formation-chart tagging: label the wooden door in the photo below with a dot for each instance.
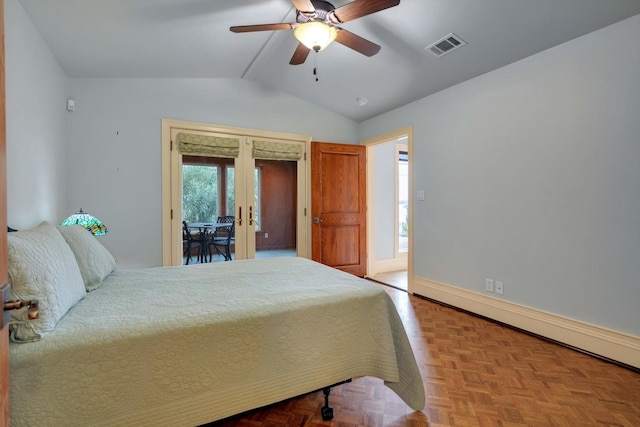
(338, 206)
(4, 333)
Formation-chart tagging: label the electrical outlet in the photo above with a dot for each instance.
(499, 287)
(489, 285)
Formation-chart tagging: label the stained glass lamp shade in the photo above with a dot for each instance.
(90, 222)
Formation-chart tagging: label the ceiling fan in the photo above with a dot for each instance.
(317, 22)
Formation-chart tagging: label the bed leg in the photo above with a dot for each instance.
(326, 410)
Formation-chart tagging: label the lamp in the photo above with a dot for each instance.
(315, 35)
(90, 222)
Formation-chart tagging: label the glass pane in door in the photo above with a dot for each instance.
(208, 199)
(230, 180)
(199, 193)
(275, 207)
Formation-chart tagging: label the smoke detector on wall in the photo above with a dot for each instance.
(445, 45)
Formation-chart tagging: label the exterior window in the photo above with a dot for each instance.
(403, 201)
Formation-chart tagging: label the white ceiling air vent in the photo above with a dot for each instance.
(445, 45)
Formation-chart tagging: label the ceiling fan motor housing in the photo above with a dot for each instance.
(321, 13)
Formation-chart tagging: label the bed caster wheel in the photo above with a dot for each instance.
(326, 410)
(327, 413)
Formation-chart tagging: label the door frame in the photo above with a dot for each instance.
(172, 206)
(4, 329)
(370, 143)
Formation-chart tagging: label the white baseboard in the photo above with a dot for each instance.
(608, 343)
(389, 264)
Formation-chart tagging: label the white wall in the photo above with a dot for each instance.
(36, 91)
(384, 199)
(531, 175)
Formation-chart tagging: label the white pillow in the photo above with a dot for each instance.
(41, 267)
(94, 260)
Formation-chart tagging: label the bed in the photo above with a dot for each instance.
(192, 344)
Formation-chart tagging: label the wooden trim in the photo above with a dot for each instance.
(607, 343)
(167, 217)
(390, 264)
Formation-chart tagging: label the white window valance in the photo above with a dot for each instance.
(272, 150)
(207, 145)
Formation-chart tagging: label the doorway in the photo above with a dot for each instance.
(389, 186)
(262, 182)
(208, 196)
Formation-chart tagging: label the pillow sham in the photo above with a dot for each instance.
(41, 267)
(94, 260)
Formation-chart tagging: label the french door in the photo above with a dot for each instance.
(263, 181)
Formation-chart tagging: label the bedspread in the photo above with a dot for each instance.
(189, 345)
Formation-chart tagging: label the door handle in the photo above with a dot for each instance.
(250, 215)
(240, 215)
(317, 220)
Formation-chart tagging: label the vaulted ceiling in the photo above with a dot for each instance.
(191, 39)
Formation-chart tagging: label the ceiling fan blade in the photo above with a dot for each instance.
(359, 8)
(300, 55)
(260, 27)
(303, 5)
(357, 43)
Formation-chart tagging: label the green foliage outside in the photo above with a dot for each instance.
(231, 201)
(199, 193)
(404, 232)
(404, 224)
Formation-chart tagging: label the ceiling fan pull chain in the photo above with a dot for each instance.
(315, 68)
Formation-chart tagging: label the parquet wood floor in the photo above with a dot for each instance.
(475, 373)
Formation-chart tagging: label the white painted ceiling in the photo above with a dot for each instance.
(191, 39)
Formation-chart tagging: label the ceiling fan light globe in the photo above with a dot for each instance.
(315, 35)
